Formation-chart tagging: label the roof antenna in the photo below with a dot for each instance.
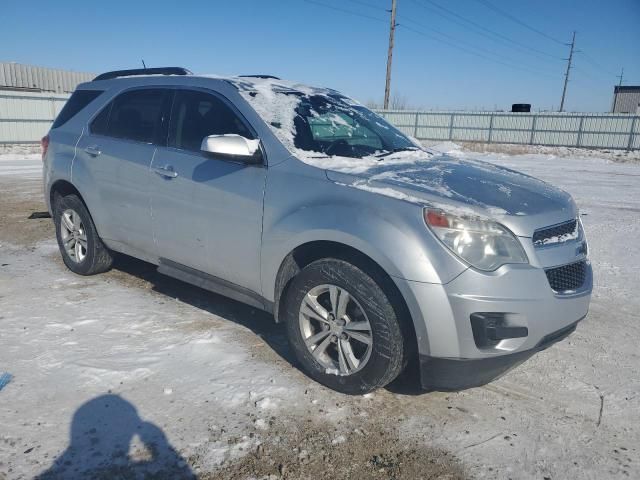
(143, 65)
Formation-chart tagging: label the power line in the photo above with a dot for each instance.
(520, 22)
(484, 31)
(491, 35)
(344, 10)
(502, 40)
(587, 75)
(454, 39)
(428, 35)
(496, 37)
(598, 65)
(466, 50)
(367, 4)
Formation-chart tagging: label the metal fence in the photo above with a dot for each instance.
(25, 117)
(585, 130)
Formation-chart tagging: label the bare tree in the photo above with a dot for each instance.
(397, 102)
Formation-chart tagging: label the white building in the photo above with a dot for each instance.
(626, 99)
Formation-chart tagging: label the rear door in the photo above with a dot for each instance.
(207, 211)
(117, 152)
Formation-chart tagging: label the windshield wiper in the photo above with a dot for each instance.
(395, 150)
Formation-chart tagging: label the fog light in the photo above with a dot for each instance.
(490, 328)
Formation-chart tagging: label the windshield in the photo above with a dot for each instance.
(323, 127)
(334, 126)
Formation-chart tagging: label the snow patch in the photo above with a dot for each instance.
(445, 147)
(266, 403)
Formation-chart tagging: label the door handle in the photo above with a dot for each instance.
(167, 172)
(93, 150)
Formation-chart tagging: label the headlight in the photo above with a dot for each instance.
(484, 244)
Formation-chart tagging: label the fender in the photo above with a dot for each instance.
(389, 231)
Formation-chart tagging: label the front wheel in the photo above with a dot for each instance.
(81, 248)
(343, 328)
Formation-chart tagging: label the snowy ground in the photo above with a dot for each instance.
(132, 371)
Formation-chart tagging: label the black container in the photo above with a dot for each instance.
(521, 107)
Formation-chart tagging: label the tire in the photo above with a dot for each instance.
(320, 283)
(88, 255)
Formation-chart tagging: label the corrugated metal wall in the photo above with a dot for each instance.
(588, 130)
(627, 101)
(25, 117)
(16, 75)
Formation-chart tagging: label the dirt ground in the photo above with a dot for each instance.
(294, 447)
(218, 380)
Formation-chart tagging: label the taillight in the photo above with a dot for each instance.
(44, 144)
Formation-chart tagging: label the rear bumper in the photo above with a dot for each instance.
(450, 374)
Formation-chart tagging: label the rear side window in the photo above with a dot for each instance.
(134, 115)
(196, 115)
(79, 100)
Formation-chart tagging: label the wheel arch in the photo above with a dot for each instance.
(306, 253)
(62, 188)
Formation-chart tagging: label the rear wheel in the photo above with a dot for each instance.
(81, 248)
(343, 327)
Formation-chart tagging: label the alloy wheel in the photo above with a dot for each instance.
(74, 236)
(335, 329)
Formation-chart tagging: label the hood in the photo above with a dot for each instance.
(521, 202)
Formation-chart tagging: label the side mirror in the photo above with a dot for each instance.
(233, 147)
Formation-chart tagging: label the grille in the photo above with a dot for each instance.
(556, 233)
(568, 277)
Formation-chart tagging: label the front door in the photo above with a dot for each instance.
(207, 211)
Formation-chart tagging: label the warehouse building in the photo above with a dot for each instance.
(15, 76)
(30, 98)
(626, 99)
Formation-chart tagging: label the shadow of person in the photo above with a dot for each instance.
(110, 440)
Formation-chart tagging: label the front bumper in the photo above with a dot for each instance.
(450, 374)
(450, 357)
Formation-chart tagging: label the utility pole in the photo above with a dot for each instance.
(392, 31)
(566, 75)
(615, 96)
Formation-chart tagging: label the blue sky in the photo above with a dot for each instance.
(309, 41)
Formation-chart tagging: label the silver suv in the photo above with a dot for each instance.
(374, 251)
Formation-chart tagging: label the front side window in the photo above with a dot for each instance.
(196, 115)
(134, 115)
(332, 125)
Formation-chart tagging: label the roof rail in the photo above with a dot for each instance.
(259, 76)
(143, 71)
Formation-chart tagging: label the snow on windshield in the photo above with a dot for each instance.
(277, 101)
(381, 163)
